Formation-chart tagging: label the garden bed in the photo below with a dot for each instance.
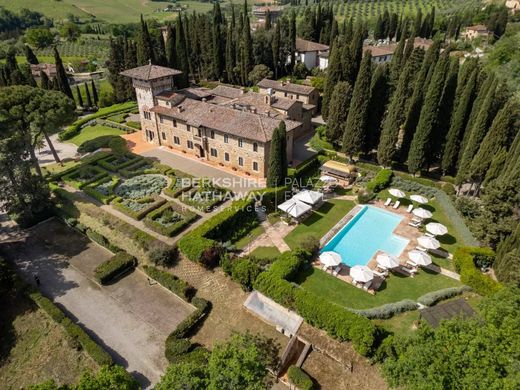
(84, 175)
(141, 186)
(103, 189)
(170, 219)
(178, 185)
(138, 208)
(204, 198)
(115, 163)
(138, 168)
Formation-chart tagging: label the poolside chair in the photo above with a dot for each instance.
(381, 274)
(409, 271)
(420, 248)
(325, 268)
(388, 202)
(336, 270)
(417, 220)
(409, 209)
(411, 263)
(428, 234)
(367, 285)
(414, 224)
(396, 205)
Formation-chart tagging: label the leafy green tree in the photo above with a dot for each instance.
(338, 113)
(110, 378)
(70, 31)
(40, 37)
(507, 262)
(185, 375)
(61, 76)
(277, 166)
(258, 73)
(355, 136)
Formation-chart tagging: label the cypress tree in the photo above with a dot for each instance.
(145, 52)
(503, 129)
(247, 46)
(348, 65)
(230, 55)
(397, 61)
(507, 262)
(182, 55)
(421, 147)
(267, 24)
(160, 51)
(379, 28)
(338, 113)
(356, 49)
(89, 99)
(170, 47)
(29, 55)
(292, 39)
(511, 168)
(61, 76)
(218, 40)
(44, 80)
(354, 138)
(276, 49)
(277, 166)
(379, 95)
(94, 93)
(80, 98)
(457, 125)
(496, 167)
(417, 24)
(397, 110)
(334, 75)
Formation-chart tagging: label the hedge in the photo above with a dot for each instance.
(335, 320)
(96, 143)
(107, 162)
(100, 239)
(76, 127)
(114, 267)
(244, 272)
(380, 181)
(201, 245)
(470, 275)
(103, 198)
(177, 286)
(433, 297)
(70, 178)
(187, 217)
(299, 378)
(388, 310)
(154, 203)
(91, 159)
(174, 190)
(77, 334)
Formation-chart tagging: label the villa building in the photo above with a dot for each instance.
(223, 126)
(308, 53)
(478, 31)
(308, 95)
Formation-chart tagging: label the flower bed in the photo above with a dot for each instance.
(204, 198)
(84, 175)
(138, 208)
(169, 219)
(138, 168)
(103, 189)
(115, 163)
(178, 186)
(141, 186)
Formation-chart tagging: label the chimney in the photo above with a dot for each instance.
(204, 99)
(180, 109)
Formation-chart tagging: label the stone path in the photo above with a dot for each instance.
(272, 236)
(65, 150)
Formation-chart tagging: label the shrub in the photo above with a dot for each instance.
(204, 199)
(364, 197)
(380, 181)
(244, 272)
(138, 208)
(171, 282)
(164, 255)
(388, 310)
(169, 219)
(464, 260)
(448, 188)
(96, 143)
(117, 265)
(299, 378)
(175, 348)
(141, 186)
(433, 297)
(134, 124)
(118, 118)
(409, 186)
(309, 243)
(103, 189)
(48, 306)
(84, 175)
(116, 163)
(178, 186)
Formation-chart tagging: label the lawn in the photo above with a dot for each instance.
(253, 235)
(396, 288)
(320, 222)
(91, 132)
(265, 252)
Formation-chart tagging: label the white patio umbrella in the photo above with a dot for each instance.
(361, 273)
(330, 259)
(309, 197)
(419, 199)
(419, 258)
(397, 193)
(428, 242)
(328, 179)
(386, 260)
(294, 207)
(437, 229)
(422, 213)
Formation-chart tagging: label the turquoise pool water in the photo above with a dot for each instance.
(369, 231)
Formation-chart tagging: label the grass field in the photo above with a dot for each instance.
(265, 252)
(92, 132)
(102, 87)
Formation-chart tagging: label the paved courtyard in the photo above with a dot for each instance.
(64, 149)
(130, 318)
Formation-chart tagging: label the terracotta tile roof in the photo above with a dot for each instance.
(227, 92)
(286, 87)
(478, 27)
(381, 50)
(303, 45)
(228, 120)
(173, 97)
(150, 72)
(196, 93)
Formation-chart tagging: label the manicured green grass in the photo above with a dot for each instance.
(320, 222)
(103, 87)
(91, 132)
(400, 324)
(265, 252)
(395, 288)
(51, 169)
(245, 241)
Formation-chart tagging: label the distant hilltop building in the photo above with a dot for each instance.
(477, 31)
(261, 12)
(513, 5)
(224, 126)
(48, 69)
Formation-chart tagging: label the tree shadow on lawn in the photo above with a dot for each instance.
(447, 239)
(318, 214)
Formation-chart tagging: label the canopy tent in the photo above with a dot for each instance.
(397, 193)
(419, 199)
(328, 179)
(294, 207)
(428, 242)
(419, 258)
(437, 229)
(361, 273)
(422, 213)
(330, 259)
(387, 261)
(309, 197)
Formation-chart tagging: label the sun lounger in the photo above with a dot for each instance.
(409, 209)
(388, 202)
(428, 234)
(396, 205)
(411, 263)
(409, 271)
(417, 220)
(415, 224)
(336, 271)
(381, 274)
(367, 285)
(420, 248)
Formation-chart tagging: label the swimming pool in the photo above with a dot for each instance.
(370, 230)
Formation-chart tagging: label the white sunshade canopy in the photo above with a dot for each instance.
(361, 273)
(330, 259)
(419, 199)
(309, 197)
(387, 261)
(328, 179)
(397, 193)
(422, 213)
(437, 229)
(428, 242)
(419, 258)
(294, 207)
